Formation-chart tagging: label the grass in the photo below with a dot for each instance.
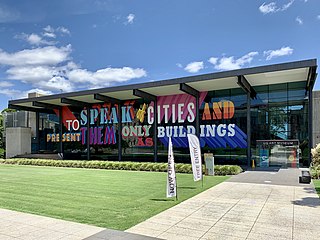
(110, 199)
(317, 185)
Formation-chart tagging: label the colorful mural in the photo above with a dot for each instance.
(176, 118)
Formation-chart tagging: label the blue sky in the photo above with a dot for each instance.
(64, 45)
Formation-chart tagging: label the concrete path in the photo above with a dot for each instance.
(16, 225)
(245, 207)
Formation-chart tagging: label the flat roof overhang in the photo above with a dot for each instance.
(256, 76)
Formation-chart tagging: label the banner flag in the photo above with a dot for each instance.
(195, 154)
(171, 180)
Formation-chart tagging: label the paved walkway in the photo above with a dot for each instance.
(245, 207)
(16, 225)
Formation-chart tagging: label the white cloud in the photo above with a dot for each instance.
(286, 6)
(318, 17)
(30, 74)
(51, 78)
(105, 77)
(35, 39)
(230, 63)
(130, 18)
(179, 65)
(194, 67)
(213, 60)
(284, 51)
(57, 83)
(49, 35)
(299, 20)
(12, 93)
(49, 29)
(4, 84)
(268, 8)
(272, 7)
(37, 90)
(16, 94)
(63, 30)
(50, 55)
(50, 32)
(51, 68)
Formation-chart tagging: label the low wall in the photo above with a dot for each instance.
(18, 141)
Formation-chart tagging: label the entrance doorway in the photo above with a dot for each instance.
(278, 153)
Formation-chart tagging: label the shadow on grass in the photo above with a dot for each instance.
(187, 187)
(162, 199)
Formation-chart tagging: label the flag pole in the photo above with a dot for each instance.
(202, 180)
(176, 189)
(175, 176)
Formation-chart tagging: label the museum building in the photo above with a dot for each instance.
(262, 113)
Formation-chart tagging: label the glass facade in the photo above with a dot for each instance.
(279, 112)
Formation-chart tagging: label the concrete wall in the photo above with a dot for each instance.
(316, 117)
(18, 141)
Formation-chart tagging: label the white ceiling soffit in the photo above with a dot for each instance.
(215, 84)
(55, 101)
(163, 90)
(121, 95)
(26, 104)
(294, 75)
(85, 98)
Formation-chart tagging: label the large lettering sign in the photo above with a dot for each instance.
(176, 118)
(176, 115)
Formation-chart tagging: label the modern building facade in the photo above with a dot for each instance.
(261, 113)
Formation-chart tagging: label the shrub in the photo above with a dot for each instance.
(133, 166)
(315, 153)
(315, 172)
(315, 164)
(2, 153)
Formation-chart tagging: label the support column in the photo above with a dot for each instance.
(310, 113)
(61, 132)
(107, 99)
(197, 117)
(119, 133)
(251, 93)
(88, 133)
(37, 131)
(196, 94)
(155, 133)
(248, 129)
(153, 98)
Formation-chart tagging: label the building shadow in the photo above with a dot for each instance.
(259, 169)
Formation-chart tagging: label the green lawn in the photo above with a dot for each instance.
(317, 185)
(111, 199)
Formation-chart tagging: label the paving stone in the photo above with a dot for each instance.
(220, 237)
(231, 231)
(256, 236)
(173, 236)
(5, 237)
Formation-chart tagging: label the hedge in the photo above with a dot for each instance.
(221, 170)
